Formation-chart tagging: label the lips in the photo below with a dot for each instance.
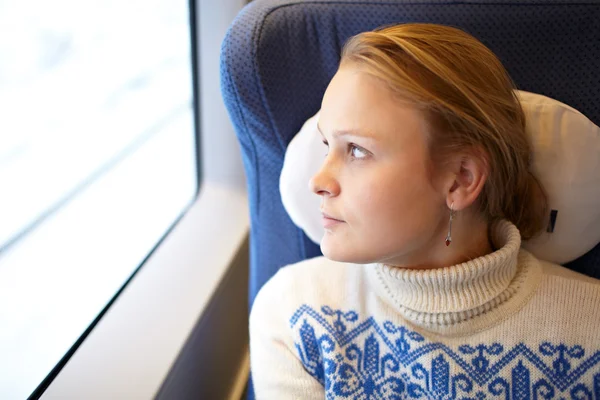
(328, 216)
(329, 221)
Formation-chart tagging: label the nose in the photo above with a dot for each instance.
(324, 183)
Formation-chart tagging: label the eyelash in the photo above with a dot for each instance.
(351, 146)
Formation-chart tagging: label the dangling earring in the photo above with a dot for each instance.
(449, 236)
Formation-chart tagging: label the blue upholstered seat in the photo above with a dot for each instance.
(279, 56)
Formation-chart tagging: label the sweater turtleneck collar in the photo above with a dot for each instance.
(450, 295)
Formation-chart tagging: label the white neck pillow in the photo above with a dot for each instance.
(566, 161)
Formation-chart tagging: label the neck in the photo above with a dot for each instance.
(470, 240)
(491, 286)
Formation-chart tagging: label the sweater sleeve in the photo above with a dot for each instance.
(277, 372)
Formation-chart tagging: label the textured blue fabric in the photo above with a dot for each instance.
(279, 56)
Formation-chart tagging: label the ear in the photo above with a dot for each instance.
(471, 171)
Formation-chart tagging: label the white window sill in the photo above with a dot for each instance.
(131, 350)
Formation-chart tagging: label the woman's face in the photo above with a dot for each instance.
(375, 179)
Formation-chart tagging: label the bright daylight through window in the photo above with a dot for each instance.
(97, 162)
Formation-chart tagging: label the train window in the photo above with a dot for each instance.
(98, 159)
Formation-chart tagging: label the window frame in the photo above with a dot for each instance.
(191, 259)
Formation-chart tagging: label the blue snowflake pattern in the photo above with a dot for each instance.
(366, 360)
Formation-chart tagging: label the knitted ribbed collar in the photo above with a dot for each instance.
(454, 294)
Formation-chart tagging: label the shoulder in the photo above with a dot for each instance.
(296, 289)
(316, 280)
(305, 272)
(565, 298)
(569, 287)
(559, 274)
(313, 281)
(277, 366)
(310, 277)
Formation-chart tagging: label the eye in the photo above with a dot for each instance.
(357, 152)
(326, 144)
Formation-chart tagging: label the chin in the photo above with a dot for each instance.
(341, 254)
(332, 252)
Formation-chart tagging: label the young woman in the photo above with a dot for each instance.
(423, 290)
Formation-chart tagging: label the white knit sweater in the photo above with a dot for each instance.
(502, 326)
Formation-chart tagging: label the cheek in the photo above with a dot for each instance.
(396, 201)
(386, 213)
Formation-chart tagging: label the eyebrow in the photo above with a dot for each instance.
(348, 132)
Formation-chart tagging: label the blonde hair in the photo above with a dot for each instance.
(470, 106)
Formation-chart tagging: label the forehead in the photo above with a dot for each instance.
(359, 102)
